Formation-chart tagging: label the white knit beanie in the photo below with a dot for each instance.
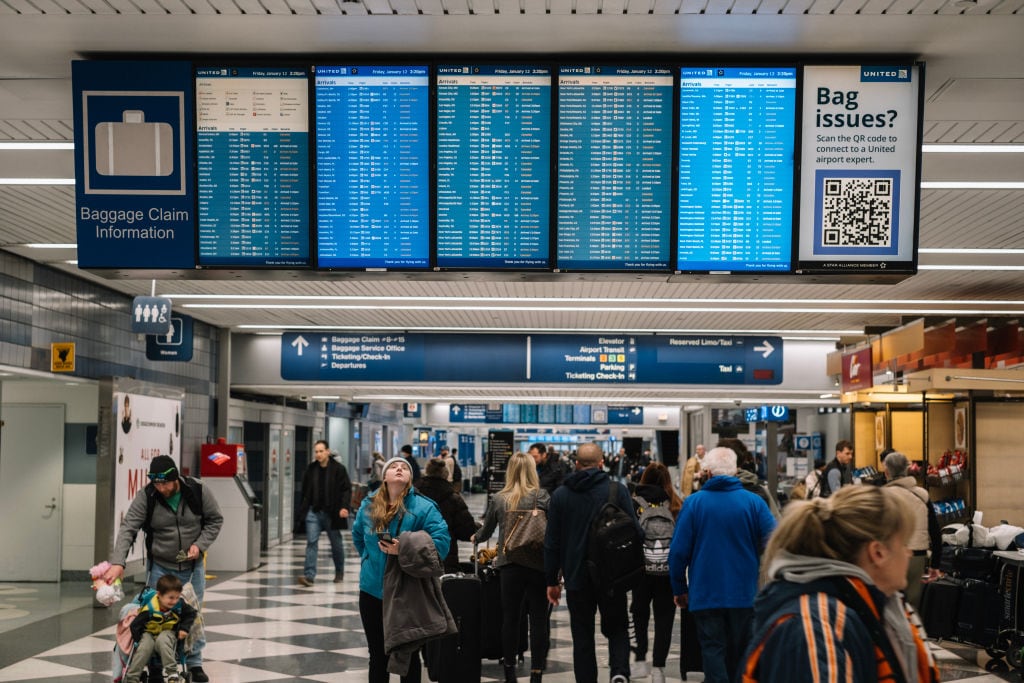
(392, 461)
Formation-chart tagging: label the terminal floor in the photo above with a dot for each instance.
(262, 626)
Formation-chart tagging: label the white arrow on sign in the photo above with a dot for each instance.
(766, 347)
(636, 411)
(299, 344)
(456, 409)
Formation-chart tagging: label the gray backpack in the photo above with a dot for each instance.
(657, 523)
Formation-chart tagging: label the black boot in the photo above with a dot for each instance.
(510, 674)
(535, 676)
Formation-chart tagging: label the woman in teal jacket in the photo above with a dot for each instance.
(392, 509)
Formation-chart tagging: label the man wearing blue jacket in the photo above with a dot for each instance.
(718, 539)
(573, 507)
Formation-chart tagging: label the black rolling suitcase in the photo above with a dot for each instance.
(980, 613)
(940, 603)
(490, 612)
(456, 658)
(690, 658)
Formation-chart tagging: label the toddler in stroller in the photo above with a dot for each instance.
(160, 625)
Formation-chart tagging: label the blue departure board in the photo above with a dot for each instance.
(493, 166)
(736, 152)
(252, 144)
(373, 166)
(614, 168)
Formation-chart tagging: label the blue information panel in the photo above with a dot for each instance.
(493, 166)
(134, 182)
(252, 153)
(554, 358)
(373, 166)
(736, 151)
(614, 168)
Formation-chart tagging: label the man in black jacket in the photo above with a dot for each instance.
(839, 472)
(573, 507)
(326, 496)
(549, 471)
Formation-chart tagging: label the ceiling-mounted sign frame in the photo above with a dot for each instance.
(860, 168)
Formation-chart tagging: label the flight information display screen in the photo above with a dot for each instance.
(493, 166)
(614, 188)
(373, 166)
(737, 131)
(252, 144)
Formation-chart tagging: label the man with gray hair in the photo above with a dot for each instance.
(927, 533)
(717, 545)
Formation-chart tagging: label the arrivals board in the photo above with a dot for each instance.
(493, 166)
(373, 166)
(252, 156)
(736, 153)
(614, 184)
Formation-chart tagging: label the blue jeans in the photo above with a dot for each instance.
(724, 635)
(317, 522)
(196, 574)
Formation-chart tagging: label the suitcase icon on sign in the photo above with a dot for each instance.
(133, 147)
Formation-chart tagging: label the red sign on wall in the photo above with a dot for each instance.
(857, 370)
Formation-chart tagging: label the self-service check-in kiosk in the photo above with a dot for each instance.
(237, 548)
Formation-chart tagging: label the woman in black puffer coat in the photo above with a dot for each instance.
(434, 484)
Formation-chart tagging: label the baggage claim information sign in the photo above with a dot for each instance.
(860, 169)
(550, 358)
(133, 166)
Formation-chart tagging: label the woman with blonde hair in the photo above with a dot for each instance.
(832, 607)
(393, 509)
(522, 491)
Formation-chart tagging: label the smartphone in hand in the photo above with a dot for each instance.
(384, 537)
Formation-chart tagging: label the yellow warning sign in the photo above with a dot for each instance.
(62, 357)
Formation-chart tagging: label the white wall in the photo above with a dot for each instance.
(78, 524)
(81, 400)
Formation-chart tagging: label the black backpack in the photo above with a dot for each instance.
(615, 549)
(191, 494)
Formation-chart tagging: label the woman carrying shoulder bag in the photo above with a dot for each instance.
(513, 506)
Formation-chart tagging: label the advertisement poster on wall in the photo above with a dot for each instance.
(860, 165)
(145, 427)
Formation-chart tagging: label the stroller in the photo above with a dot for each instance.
(124, 647)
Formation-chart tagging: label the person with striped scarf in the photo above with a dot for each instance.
(831, 607)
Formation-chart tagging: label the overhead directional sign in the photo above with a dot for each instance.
(174, 344)
(554, 358)
(625, 415)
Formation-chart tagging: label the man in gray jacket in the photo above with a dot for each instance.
(183, 522)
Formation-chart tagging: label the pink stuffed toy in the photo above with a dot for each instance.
(106, 594)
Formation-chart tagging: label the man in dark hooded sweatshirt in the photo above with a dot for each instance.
(573, 507)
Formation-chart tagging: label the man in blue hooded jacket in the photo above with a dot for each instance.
(718, 539)
(573, 507)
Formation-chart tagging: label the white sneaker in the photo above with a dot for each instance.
(658, 675)
(619, 678)
(641, 669)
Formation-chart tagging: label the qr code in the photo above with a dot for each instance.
(857, 212)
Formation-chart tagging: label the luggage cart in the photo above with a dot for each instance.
(1010, 641)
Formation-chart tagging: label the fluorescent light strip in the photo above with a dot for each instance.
(632, 309)
(972, 149)
(971, 185)
(541, 300)
(41, 245)
(810, 335)
(37, 181)
(42, 146)
(731, 400)
(972, 268)
(992, 252)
